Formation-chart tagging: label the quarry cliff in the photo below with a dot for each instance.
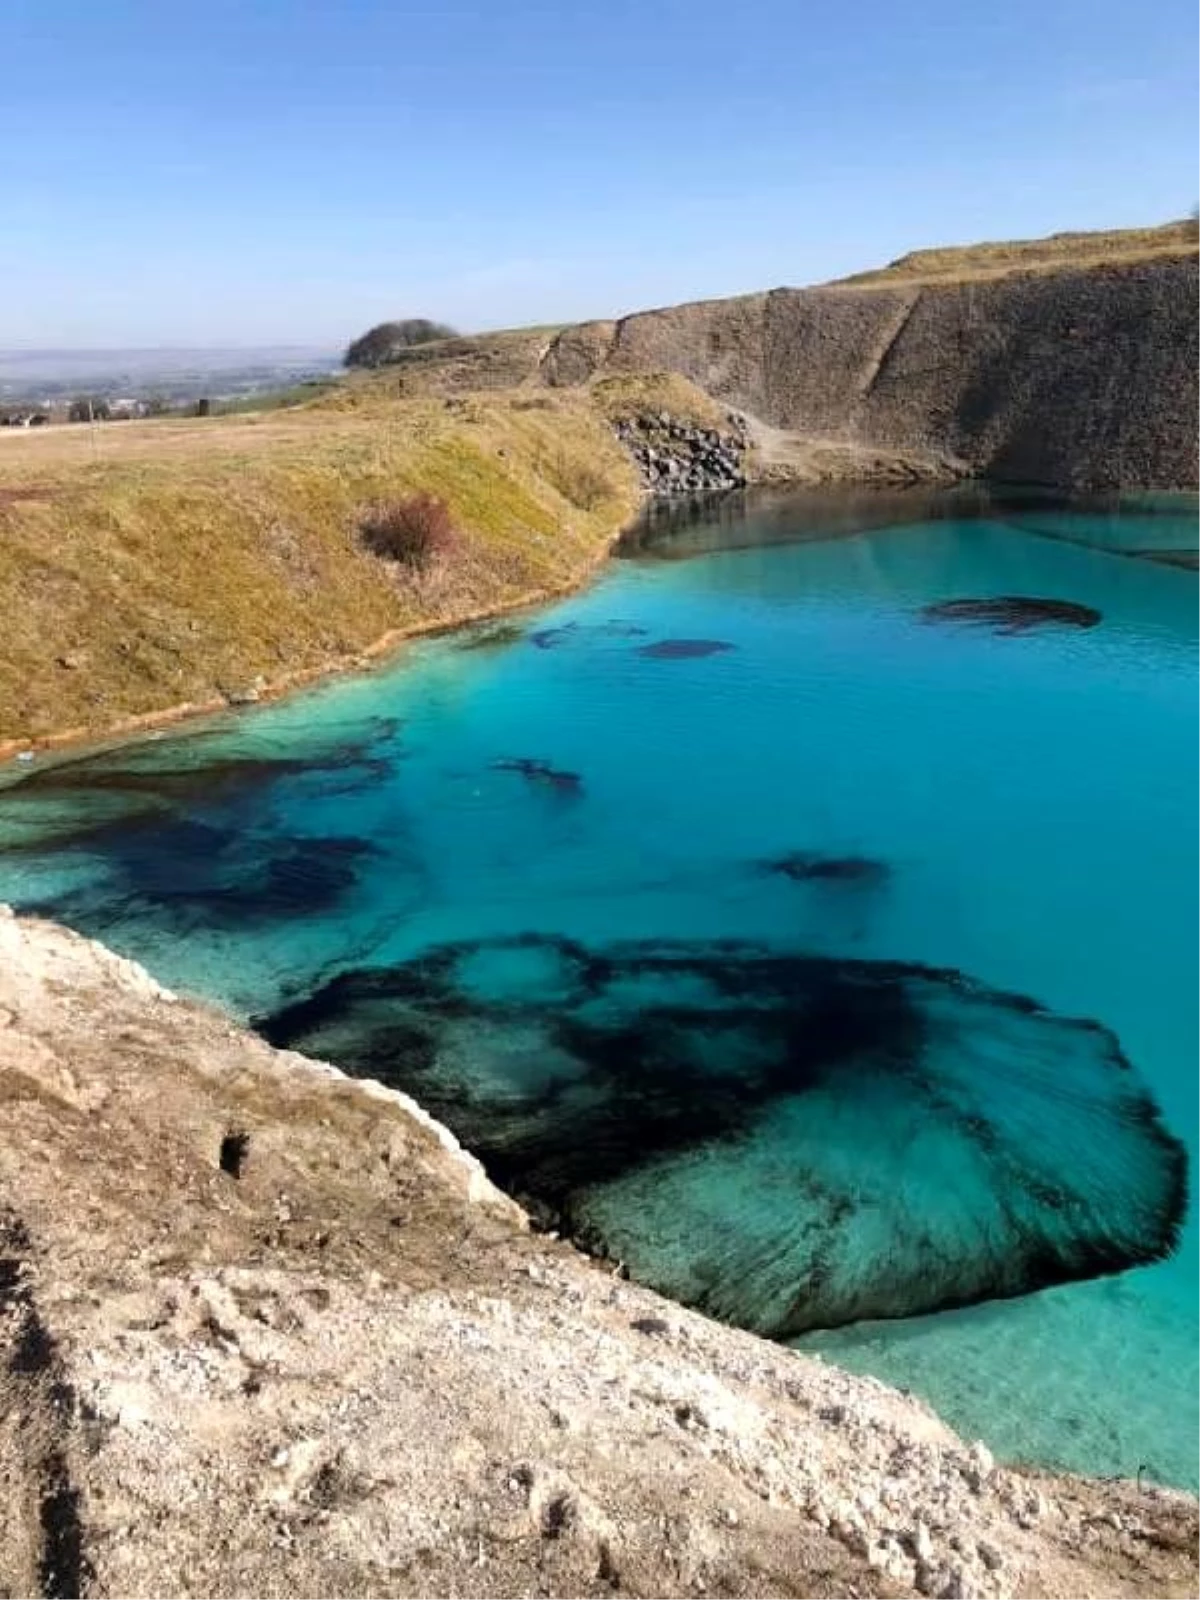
(1077, 373)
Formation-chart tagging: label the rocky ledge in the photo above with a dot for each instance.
(677, 457)
(266, 1330)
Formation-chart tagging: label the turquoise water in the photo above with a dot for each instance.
(831, 965)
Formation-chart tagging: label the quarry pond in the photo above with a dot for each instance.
(804, 917)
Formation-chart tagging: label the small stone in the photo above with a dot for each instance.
(731, 1517)
(922, 1542)
(650, 1325)
(281, 1457)
(981, 1462)
(867, 1501)
(887, 1556)
(953, 1584)
(990, 1556)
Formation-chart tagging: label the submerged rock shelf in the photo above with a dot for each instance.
(1009, 614)
(786, 1142)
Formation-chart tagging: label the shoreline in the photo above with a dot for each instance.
(16, 753)
(433, 1391)
(378, 653)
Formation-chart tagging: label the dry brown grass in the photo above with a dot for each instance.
(631, 394)
(173, 561)
(503, 360)
(1057, 251)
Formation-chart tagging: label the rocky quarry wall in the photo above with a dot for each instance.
(1080, 378)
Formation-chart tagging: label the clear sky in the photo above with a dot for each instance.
(264, 171)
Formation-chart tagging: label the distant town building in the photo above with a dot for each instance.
(24, 419)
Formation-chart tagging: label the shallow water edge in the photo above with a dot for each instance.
(667, 528)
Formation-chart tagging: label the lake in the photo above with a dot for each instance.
(804, 916)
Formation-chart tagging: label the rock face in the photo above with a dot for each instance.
(675, 457)
(1081, 378)
(267, 1330)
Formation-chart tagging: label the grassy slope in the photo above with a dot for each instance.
(1060, 250)
(169, 562)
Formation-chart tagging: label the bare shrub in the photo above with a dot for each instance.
(418, 531)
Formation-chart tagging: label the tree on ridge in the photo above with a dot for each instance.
(388, 340)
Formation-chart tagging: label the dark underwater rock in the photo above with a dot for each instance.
(786, 1141)
(1007, 614)
(684, 649)
(312, 876)
(188, 875)
(91, 802)
(809, 866)
(541, 772)
(567, 632)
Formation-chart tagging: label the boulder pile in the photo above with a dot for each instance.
(678, 457)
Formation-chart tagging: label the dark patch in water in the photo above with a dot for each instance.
(568, 632)
(684, 649)
(541, 772)
(1188, 560)
(809, 866)
(1011, 614)
(786, 1141)
(175, 783)
(154, 789)
(193, 875)
(312, 876)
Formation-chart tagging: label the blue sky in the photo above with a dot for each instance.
(262, 171)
